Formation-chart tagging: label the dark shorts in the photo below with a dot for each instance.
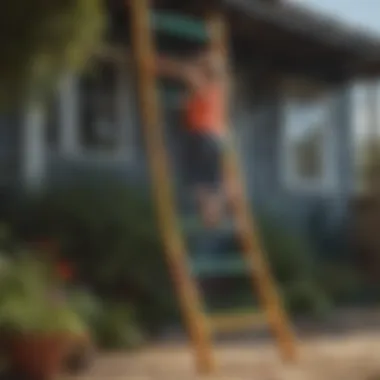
(203, 159)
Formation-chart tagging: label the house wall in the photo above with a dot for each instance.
(325, 215)
(256, 123)
(10, 149)
(258, 128)
(68, 161)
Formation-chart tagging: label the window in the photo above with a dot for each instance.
(100, 123)
(52, 123)
(93, 115)
(307, 140)
(365, 112)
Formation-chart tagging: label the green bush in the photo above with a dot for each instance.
(113, 324)
(292, 260)
(346, 285)
(306, 298)
(116, 328)
(30, 300)
(87, 305)
(108, 230)
(290, 254)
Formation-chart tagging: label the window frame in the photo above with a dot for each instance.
(290, 178)
(73, 147)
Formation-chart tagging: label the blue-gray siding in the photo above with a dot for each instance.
(10, 149)
(256, 126)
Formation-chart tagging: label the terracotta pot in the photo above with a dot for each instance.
(40, 356)
(4, 339)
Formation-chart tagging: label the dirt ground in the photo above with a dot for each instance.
(350, 356)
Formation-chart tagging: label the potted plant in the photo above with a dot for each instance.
(38, 323)
(80, 355)
(83, 350)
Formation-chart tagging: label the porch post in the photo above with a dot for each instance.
(343, 156)
(373, 136)
(33, 146)
(373, 102)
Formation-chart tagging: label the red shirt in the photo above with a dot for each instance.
(204, 110)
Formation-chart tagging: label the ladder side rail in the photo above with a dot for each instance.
(262, 280)
(188, 296)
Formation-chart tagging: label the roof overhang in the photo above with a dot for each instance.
(303, 34)
(303, 21)
(289, 35)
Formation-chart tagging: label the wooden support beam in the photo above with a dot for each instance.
(190, 304)
(262, 281)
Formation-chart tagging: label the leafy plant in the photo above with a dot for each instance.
(52, 36)
(290, 254)
(85, 304)
(108, 230)
(29, 302)
(117, 328)
(346, 284)
(292, 259)
(306, 298)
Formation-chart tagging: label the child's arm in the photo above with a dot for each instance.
(176, 69)
(170, 68)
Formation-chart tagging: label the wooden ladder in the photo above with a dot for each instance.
(198, 325)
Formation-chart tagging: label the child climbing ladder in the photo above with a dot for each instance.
(262, 282)
(205, 135)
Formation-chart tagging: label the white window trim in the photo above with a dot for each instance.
(34, 145)
(68, 115)
(69, 141)
(293, 182)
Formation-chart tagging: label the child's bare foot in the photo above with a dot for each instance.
(211, 219)
(212, 213)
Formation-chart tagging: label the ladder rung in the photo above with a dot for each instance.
(180, 25)
(228, 265)
(194, 225)
(237, 321)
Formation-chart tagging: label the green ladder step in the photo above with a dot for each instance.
(224, 265)
(235, 298)
(180, 26)
(193, 224)
(237, 320)
(171, 98)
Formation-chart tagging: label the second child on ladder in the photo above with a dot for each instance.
(204, 126)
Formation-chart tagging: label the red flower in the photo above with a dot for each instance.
(65, 271)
